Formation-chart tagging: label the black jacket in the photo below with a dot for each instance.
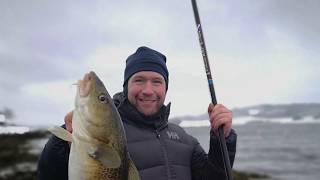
(160, 150)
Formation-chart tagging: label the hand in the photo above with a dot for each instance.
(220, 116)
(68, 121)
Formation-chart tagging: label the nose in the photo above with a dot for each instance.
(147, 88)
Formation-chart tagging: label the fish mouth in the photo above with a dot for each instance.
(85, 84)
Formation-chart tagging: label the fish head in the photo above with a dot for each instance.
(93, 103)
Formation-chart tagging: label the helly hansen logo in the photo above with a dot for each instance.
(173, 135)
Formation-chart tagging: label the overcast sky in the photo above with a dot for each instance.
(264, 51)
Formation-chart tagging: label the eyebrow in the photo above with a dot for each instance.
(135, 77)
(143, 77)
(158, 78)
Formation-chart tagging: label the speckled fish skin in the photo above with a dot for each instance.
(97, 129)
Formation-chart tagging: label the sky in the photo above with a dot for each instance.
(264, 51)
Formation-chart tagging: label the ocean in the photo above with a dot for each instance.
(281, 150)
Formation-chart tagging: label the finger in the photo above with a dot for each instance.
(221, 122)
(68, 121)
(219, 109)
(210, 108)
(225, 121)
(227, 129)
(216, 123)
(220, 112)
(214, 118)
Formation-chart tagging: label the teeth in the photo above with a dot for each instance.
(147, 100)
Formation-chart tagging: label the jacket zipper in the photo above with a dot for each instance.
(164, 151)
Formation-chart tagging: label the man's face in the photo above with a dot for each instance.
(147, 91)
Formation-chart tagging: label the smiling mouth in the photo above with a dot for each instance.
(147, 100)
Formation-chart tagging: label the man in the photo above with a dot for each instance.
(160, 150)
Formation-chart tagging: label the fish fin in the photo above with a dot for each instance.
(106, 155)
(61, 133)
(133, 173)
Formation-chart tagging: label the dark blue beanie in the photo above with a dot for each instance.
(146, 59)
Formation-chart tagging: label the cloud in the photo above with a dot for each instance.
(297, 18)
(57, 92)
(259, 51)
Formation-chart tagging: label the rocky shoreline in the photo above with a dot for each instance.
(19, 154)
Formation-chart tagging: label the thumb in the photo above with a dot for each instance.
(68, 121)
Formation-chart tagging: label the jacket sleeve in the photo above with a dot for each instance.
(53, 161)
(210, 166)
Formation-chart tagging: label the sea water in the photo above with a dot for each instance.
(281, 150)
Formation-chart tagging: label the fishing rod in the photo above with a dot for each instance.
(222, 141)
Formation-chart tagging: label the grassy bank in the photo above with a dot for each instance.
(18, 159)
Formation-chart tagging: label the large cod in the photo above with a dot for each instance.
(98, 142)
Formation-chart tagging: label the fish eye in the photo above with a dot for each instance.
(103, 98)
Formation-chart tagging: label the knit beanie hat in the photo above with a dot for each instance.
(146, 59)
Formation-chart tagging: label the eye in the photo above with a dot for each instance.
(138, 80)
(103, 98)
(157, 82)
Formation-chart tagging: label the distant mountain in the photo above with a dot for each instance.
(296, 111)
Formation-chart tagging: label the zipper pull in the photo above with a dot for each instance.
(158, 134)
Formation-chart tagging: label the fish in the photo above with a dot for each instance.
(98, 148)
